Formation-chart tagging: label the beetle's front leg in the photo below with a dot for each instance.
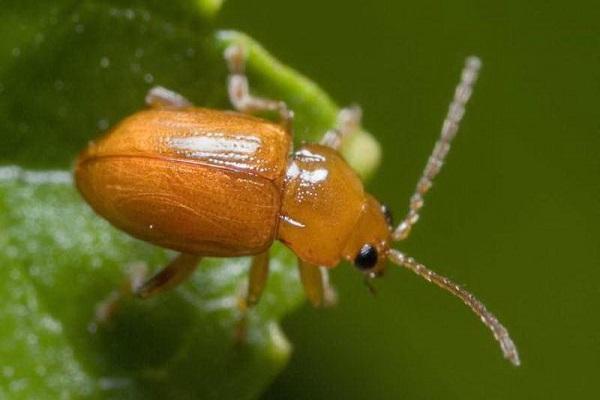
(317, 288)
(160, 97)
(257, 280)
(239, 89)
(348, 121)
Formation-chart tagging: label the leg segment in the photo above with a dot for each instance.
(160, 97)
(239, 89)
(257, 279)
(456, 111)
(176, 272)
(111, 304)
(316, 284)
(348, 121)
(330, 294)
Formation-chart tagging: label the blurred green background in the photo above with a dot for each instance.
(515, 216)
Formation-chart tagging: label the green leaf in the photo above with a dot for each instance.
(60, 260)
(68, 71)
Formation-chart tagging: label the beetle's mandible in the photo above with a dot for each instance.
(222, 184)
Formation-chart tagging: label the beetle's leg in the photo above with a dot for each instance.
(330, 294)
(317, 288)
(160, 97)
(176, 272)
(257, 280)
(239, 89)
(456, 110)
(348, 121)
(110, 305)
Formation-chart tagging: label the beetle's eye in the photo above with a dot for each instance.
(366, 257)
(387, 213)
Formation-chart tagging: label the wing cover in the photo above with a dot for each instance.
(196, 180)
(182, 206)
(222, 139)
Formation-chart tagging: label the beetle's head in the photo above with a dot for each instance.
(368, 246)
(369, 249)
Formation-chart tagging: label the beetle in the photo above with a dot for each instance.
(205, 182)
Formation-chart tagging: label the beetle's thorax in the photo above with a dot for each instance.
(322, 201)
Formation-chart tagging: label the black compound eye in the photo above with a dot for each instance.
(366, 257)
(387, 213)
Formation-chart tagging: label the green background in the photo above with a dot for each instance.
(515, 216)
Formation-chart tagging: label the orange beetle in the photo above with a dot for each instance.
(222, 184)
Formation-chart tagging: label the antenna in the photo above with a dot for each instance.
(498, 330)
(456, 111)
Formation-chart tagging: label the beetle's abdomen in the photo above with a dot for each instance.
(196, 188)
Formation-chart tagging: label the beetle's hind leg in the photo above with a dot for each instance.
(160, 97)
(109, 306)
(176, 272)
(348, 121)
(317, 288)
(257, 280)
(239, 89)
